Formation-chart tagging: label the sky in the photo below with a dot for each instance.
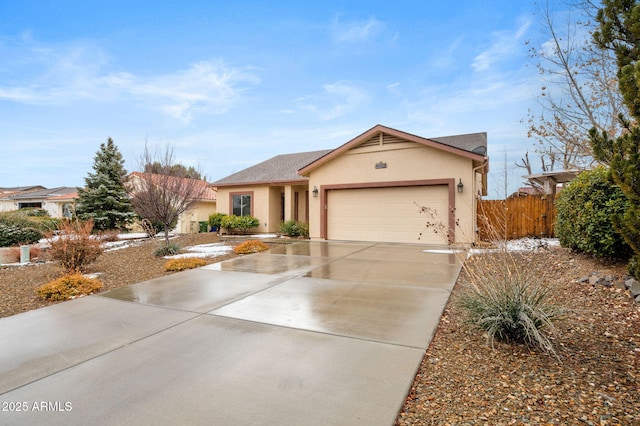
(228, 84)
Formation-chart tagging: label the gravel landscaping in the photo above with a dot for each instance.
(462, 380)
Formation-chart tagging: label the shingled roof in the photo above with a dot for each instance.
(279, 169)
(43, 194)
(473, 142)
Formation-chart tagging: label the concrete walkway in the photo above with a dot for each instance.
(314, 333)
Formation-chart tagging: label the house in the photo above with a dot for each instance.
(58, 202)
(383, 185)
(204, 205)
(272, 191)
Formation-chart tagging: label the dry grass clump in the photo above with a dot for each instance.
(69, 286)
(182, 264)
(250, 246)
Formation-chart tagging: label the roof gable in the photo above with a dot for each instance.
(473, 146)
(281, 168)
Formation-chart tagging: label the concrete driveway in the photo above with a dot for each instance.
(314, 333)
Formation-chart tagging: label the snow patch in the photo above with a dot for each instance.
(519, 245)
(203, 250)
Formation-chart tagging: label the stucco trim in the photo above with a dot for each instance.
(451, 185)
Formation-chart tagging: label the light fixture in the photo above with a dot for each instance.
(460, 186)
(315, 191)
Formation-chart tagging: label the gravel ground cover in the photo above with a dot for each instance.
(595, 380)
(123, 263)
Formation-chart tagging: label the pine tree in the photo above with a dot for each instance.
(104, 198)
(619, 31)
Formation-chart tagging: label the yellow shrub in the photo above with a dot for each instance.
(250, 246)
(68, 286)
(184, 263)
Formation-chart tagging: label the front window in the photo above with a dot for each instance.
(241, 204)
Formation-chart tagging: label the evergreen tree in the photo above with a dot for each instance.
(619, 31)
(104, 199)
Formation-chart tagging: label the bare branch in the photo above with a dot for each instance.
(163, 196)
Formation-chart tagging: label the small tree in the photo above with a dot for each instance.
(619, 31)
(163, 197)
(104, 199)
(578, 91)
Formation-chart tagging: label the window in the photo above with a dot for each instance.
(241, 204)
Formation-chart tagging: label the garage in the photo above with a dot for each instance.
(390, 214)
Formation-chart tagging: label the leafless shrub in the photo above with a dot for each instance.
(74, 246)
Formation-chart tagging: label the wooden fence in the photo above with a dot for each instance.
(518, 217)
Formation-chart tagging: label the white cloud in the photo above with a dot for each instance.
(504, 45)
(72, 72)
(205, 87)
(355, 31)
(337, 99)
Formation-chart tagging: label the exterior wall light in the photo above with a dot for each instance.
(460, 186)
(315, 191)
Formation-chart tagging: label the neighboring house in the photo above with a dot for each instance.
(58, 202)
(372, 188)
(526, 191)
(205, 205)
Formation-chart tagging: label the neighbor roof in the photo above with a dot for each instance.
(279, 169)
(207, 192)
(43, 194)
(6, 192)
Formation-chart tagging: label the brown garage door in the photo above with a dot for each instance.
(387, 214)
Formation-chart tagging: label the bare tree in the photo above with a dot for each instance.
(579, 91)
(162, 197)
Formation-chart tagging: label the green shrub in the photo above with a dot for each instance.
(69, 286)
(11, 235)
(215, 220)
(24, 226)
(587, 210)
(239, 224)
(167, 250)
(507, 304)
(250, 246)
(74, 246)
(292, 228)
(35, 212)
(183, 264)
(634, 266)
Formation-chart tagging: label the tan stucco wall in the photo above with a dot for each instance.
(188, 221)
(260, 205)
(404, 162)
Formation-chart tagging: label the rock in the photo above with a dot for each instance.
(594, 279)
(638, 299)
(582, 280)
(629, 282)
(635, 288)
(619, 284)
